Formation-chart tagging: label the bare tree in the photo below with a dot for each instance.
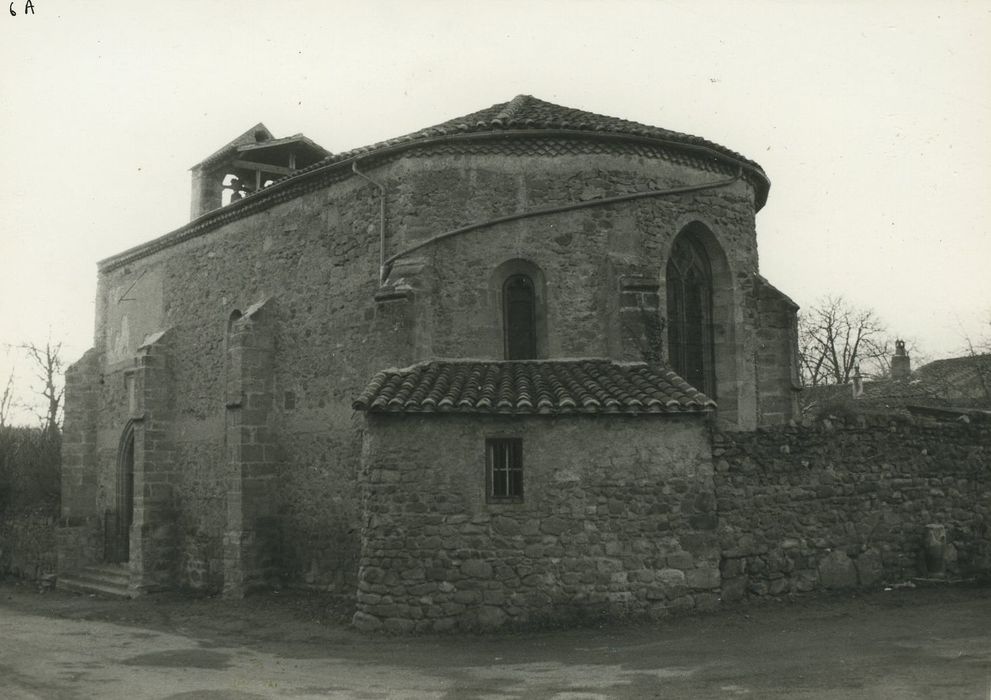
(6, 400)
(48, 366)
(835, 338)
(979, 350)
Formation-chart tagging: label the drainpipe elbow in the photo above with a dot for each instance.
(381, 189)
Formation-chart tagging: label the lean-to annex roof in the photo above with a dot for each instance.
(531, 387)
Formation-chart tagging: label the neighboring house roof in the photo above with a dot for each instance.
(880, 394)
(955, 371)
(523, 117)
(953, 382)
(531, 387)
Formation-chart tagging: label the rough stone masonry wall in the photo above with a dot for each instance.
(588, 257)
(583, 253)
(777, 355)
(617, 520)
(635, 517)
(846, 505)
(316, 258)
(78, 537)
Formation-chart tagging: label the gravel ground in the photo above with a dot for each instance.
(931, 642)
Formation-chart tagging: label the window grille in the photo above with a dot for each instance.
(504, 459)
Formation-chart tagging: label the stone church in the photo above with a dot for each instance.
(469, 373)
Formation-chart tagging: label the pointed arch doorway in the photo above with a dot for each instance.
(117, 526)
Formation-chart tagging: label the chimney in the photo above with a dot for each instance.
(858, 383)
(901, 364)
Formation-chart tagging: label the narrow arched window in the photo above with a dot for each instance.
(231, 320)
(519, 317)
(232, 390)
(689, 297)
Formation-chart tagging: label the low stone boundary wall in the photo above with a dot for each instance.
(846, 505)
(27, 545)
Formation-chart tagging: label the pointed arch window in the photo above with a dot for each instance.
(689, 305)
(519, 317)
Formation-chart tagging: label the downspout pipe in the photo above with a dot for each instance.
(543, 211)
(381, 189)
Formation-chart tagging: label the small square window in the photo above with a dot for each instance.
(504, 469)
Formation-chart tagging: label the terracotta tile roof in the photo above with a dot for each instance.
(525, 112)
(530, 387)
(891, 395)
(897, 389)
(881, 391)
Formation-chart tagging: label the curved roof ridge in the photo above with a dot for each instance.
(535, 113)
(509, 112)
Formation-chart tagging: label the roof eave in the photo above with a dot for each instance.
(295, 139)
(360, 406)
(784, 297)
(269, 195)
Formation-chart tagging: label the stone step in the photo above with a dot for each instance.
(117, 577)
(102, 579)
(89, 587)
(109, 572)
(109, 580)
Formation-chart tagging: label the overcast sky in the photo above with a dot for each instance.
(871, 119)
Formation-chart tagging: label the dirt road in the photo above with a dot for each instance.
(931, 643)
